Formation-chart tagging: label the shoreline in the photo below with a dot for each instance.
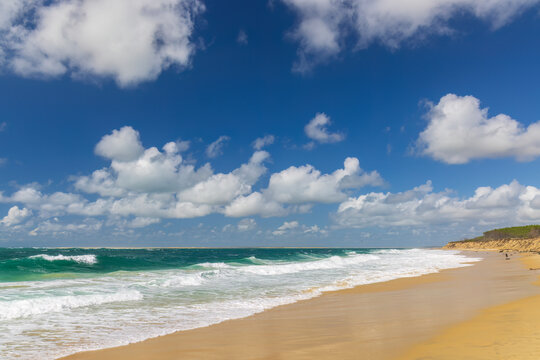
(507, 331)
(367, 318)
(212, 247)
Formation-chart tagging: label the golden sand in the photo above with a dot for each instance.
(379, 321)
(509, 331)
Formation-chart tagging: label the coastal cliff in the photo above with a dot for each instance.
(510, 244)
(521, 238)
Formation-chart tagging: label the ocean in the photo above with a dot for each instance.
(54, 302)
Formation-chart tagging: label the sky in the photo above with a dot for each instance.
(356, 123)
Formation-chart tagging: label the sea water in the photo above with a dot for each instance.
(55, 302)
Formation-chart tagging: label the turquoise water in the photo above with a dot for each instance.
(20, 264)
(54, 302)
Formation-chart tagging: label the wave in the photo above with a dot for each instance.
(214, 265)
(28, 307)
(192, 293)
(280, 268)
(89, 259)
(181, 280)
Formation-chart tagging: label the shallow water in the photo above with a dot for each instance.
(54, 302)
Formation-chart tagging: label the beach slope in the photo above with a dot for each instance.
(509, 331)
(378, 321)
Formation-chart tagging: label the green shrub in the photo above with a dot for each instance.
(516, 232)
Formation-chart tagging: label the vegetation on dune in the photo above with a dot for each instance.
(516, 232)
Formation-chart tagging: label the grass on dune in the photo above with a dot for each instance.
(516, 232)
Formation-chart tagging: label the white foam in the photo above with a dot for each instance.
(89, 259)
(332, 262)
(181, 299)
(178, 280)
(27, 307)
(216, 265)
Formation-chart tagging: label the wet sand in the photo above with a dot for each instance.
(510, 331)
(380, 321)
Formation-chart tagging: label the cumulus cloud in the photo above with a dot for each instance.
(56, 228)
(317, 130)
(216, 148)
(130, 41)
(15, 216)
(139, 222)
(141, 186)
(295, 227)
(254, 204)
(306, 184)
(261, 142)
(324, 25)
(156, 185)
(179, 146)
(47, 205)
(120, 145)
(148, 184)
(286, 226)
(246, 225)
(295, 189)
(136, 169)
(162, 186)
(314, 229)
(223, 188)
(507, 204)
(459, 130)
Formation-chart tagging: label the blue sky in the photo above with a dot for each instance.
(434, 106)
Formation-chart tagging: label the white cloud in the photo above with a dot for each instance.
(180, 146)
(246, 225)
(223, 188)
(47, 205)
(128, 40)
(15, 216)
(3, 126)
(317, 130)
(135, 169)
(139, 222)
(156, 171)
(11, 9)
(459, 131)
(324, 25)
(141, 186)
(507, 204)
(216, 148)
(53, 227)
(261, 142)
(254, 204)
(305, 184)
(295, 227)
(242, 38)
(295, 190)
(156, 184)
(120, 145)
(101, 182)
(299, 187)
(286, 226)
(314, 229)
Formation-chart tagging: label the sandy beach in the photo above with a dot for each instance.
(482, 311)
